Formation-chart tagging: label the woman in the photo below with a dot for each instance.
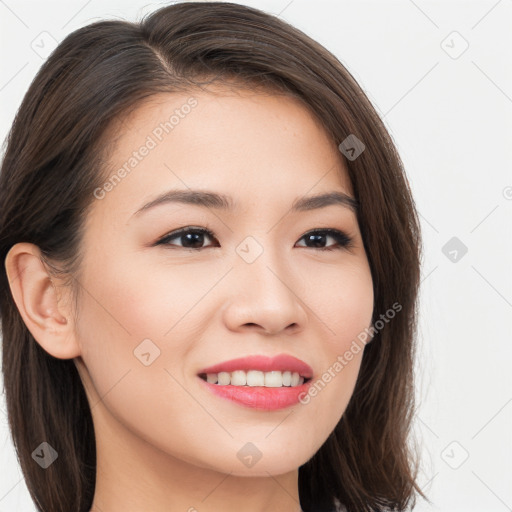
(211, 272)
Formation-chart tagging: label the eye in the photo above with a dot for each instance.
(318, 237)
(194, 238)
(191, 238)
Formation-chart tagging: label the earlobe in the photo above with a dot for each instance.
(37, 300)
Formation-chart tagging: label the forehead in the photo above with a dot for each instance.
(234, 141)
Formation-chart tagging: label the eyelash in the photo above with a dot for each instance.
(343, 240)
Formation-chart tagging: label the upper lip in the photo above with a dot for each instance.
(280, 362)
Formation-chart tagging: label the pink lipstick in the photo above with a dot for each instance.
(259, 382)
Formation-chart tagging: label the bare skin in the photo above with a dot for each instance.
(164, 442)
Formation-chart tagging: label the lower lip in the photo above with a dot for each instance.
(260, 397)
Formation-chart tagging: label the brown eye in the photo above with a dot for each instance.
(319, 237)
(194, 238)
(191, 238)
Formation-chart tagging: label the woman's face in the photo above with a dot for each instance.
(157, 309)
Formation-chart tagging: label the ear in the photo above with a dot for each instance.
(37, 300)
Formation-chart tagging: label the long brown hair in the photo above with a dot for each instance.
(54, 160)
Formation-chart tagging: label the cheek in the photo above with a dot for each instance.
(157, 299)
(132, 309)
(140, 299)
(345, 309)
(342, 300)
(121, 320)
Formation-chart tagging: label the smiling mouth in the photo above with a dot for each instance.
(255, 378)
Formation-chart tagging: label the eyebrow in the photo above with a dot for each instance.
(217, 201)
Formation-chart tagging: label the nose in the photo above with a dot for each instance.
(265, 296)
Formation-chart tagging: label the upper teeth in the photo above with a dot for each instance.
(274, 379)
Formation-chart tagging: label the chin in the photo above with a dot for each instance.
(261, 459)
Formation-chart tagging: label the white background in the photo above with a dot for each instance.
(450, 116)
